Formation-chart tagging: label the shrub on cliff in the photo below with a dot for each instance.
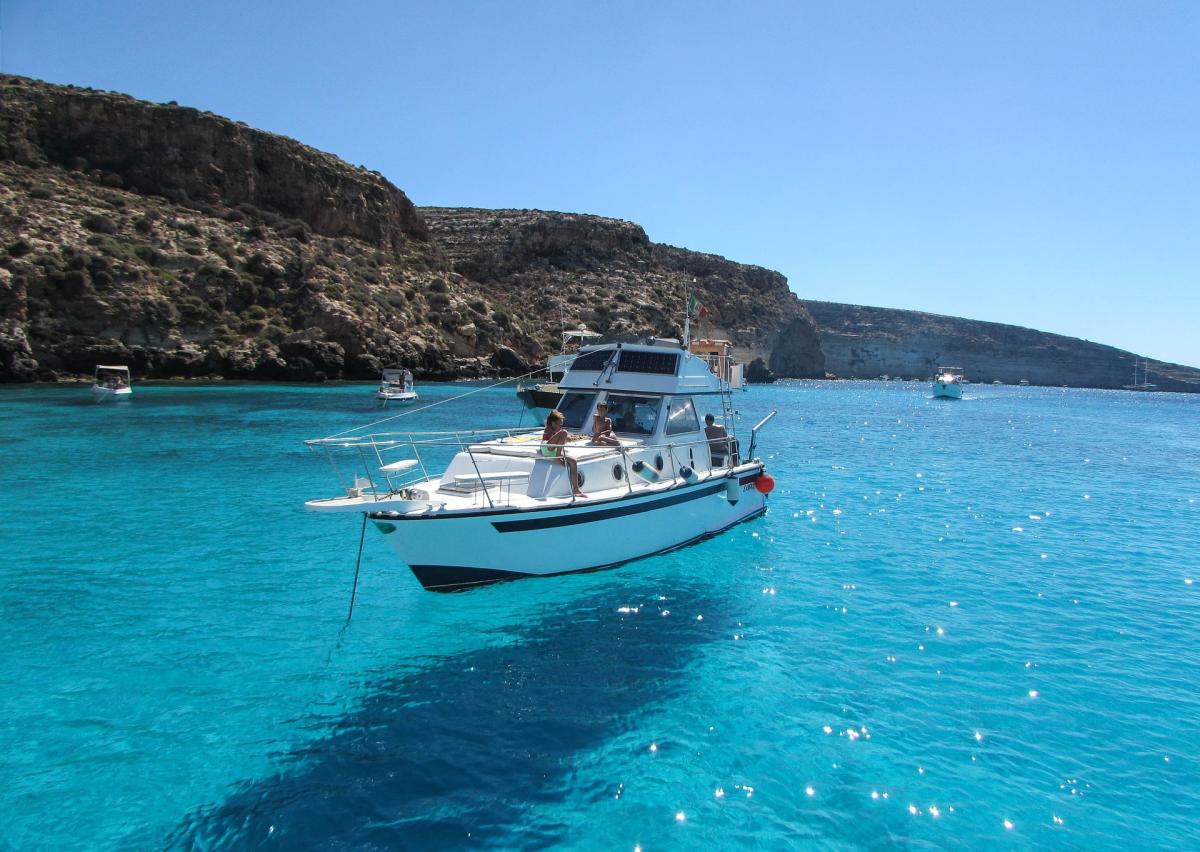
(99, 223)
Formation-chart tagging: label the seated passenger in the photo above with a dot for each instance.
(554, 438)
(718, 441)
(602, 427)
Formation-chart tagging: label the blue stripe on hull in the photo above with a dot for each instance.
(455, 578)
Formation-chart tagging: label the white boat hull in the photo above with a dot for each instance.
(101, 393)
(396, 396)
(947, 390)
(458, 550)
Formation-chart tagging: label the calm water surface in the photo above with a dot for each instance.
(961, 623)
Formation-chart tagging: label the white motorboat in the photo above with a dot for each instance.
(396, 385)
(541, 397)
(111, 382)
(948, 383)
(502, 507)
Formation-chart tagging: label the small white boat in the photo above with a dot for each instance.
(948, 383)
(503, 507)
(396, 385)
(111, 382)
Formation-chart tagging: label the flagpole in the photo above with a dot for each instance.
(687, 318)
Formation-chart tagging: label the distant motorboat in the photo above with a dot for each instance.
(1024, 383)
(396, 385)
(997, 382)
(111, 382)
(545, 396)
(947, 383)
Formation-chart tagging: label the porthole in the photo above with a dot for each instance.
(658, 463)
(618, 472)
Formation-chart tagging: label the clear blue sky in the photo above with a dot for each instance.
(1035, 162)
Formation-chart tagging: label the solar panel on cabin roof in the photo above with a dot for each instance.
(659, 363)
(591, 360)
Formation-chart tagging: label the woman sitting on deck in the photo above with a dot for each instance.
(554, 438)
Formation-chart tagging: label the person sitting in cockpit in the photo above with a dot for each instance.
(718, 441)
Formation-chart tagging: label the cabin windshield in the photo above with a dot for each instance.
(574, 408)
(634, 415)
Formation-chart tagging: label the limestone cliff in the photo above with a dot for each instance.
(607, 273)
(185, 244)
(864, 342)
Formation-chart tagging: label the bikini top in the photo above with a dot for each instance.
(550, 452)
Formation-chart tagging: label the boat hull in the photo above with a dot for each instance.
(458, 551)
(101, 393)
(540, 397)
(947, 390)
(404, 396)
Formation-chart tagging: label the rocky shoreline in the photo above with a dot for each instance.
(190, 246)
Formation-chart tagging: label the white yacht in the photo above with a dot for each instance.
(948, 383)
(502, 507)
(542, 397)
(111, 382)
(396, 385)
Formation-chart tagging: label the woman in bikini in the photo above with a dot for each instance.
(554, 438)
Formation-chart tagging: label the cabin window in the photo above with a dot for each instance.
(574, 408)
(681, 417)
(634, 415)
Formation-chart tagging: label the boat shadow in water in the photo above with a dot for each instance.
(467, 751)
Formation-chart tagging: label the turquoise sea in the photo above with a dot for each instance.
(961, 624)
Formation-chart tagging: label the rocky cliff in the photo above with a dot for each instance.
(864, 342)
(606, 273)
(186, 244)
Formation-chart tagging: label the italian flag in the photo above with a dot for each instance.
(694, 307)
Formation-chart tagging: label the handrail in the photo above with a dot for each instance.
(754, 431)
(367, 447)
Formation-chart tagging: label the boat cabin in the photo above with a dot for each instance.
(656, 396)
